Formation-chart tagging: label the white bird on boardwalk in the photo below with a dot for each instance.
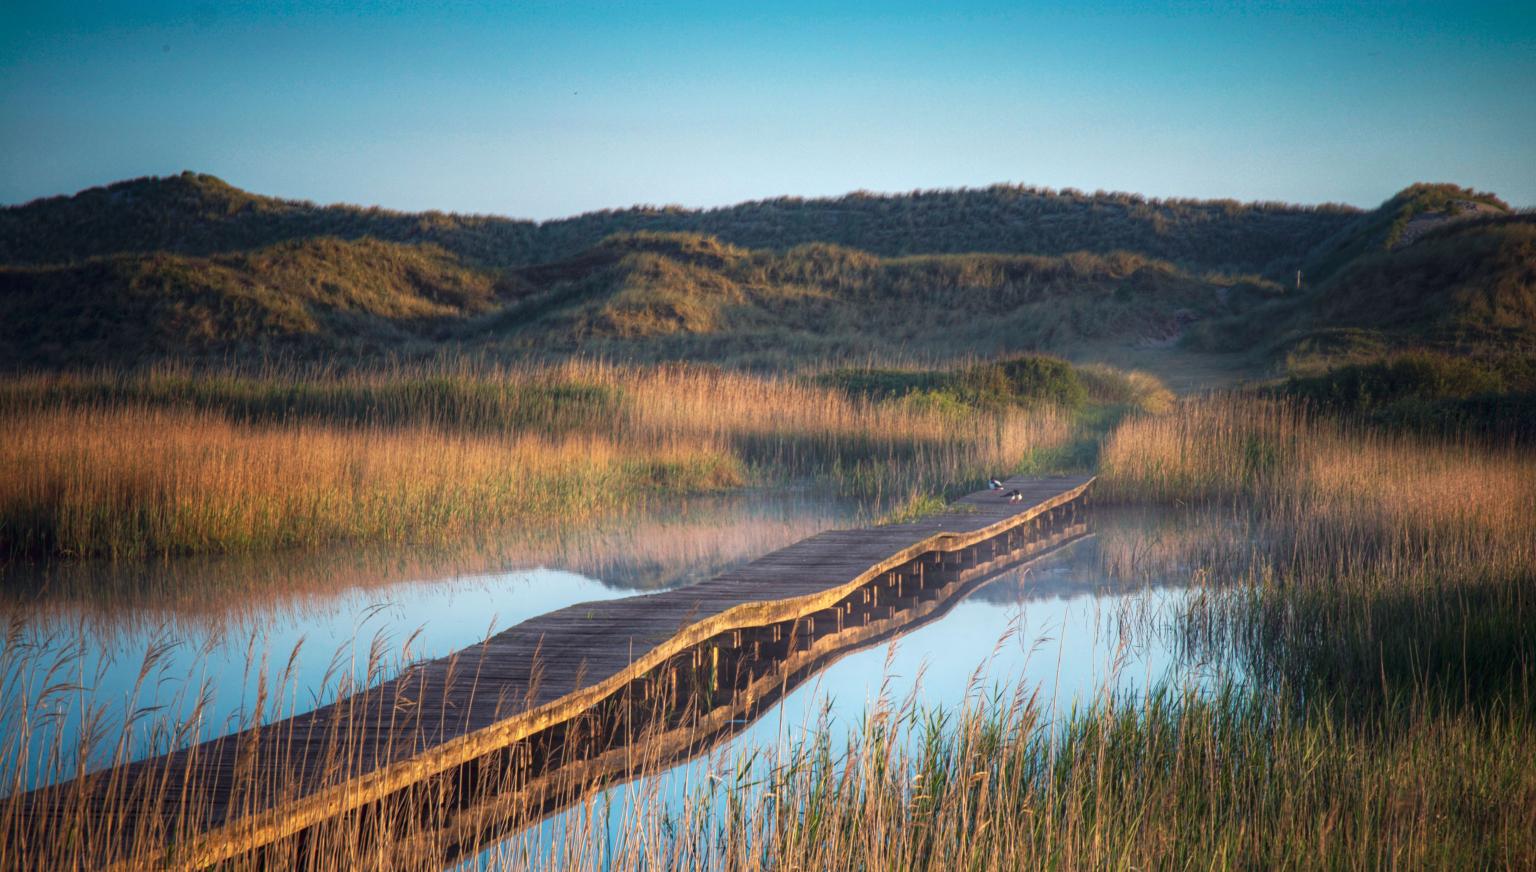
(994, 484)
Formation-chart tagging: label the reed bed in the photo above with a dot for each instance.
(131, 482)
(1178, 780)
(170, 463)
(1378, 596)
(1355, 497)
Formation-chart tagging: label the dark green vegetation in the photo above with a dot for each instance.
(1022, 381)
(1429, 392)
(199, 215)
(1463, 282)
(190, 268)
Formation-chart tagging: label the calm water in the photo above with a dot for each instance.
(1077, 624)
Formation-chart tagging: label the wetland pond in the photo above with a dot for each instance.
(232, 640)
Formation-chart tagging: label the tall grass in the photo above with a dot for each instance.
(129, 482)
(1356, 494)
(1383, 612)
(1175, 781)
(866, 448)
(170, 463)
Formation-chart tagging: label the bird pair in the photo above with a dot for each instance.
(1013, 496)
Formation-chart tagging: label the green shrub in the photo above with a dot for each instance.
(1420, 375)
(1108, 386)
(1026, 380)
(1031, 378)
(886, 384)
(1429, 392)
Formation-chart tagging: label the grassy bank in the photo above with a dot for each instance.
(1491, 397)
(167, 462)
(130, 482)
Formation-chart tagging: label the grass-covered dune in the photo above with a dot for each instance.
(1422, 316)
(1472, 282)
(189, 268)
(1399, 221)
(639, 296)
(658, 296)
(351, 298)
(198, 214)
(1464, 281)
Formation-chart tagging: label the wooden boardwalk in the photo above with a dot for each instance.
(486, 817)
(240, 792)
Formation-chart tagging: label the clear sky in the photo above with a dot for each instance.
(548, 109)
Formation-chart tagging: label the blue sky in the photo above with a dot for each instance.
(547, 109)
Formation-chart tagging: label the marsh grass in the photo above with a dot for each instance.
(168, 463)
(1173, 781)
(658, 546)
(132, 482)
(1381, 608)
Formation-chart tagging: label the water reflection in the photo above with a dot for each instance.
(669, 544)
